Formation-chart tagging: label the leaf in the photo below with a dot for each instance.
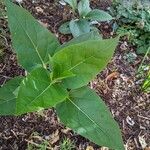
(72, 3)
(93, 28)
(85, 60)
(93, 35)
(86, 114)
(37, 92)
(30, 39)
(84, 7)
(98, 15)
(79, 27)
(64, 28)
(8, 94)
(143, 49)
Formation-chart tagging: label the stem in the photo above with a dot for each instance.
(144, 59)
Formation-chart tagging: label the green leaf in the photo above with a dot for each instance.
(85, 60)
(86, 114)
(84, 8)
(64, 28)
(72, 3)
(79, 27)
(98, 15)
(30, 39)
(93, 28)
(8, 94)
(93, 35)
(37, 92)
(143, 49)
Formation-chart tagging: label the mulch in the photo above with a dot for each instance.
(117, 85)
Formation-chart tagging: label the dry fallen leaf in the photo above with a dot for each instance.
(142, 142)
(89, 148)
(111, 76)
(39, 9)
(54, 137)
(147, 148)
(66, 130)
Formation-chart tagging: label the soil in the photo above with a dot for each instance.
(118, 85)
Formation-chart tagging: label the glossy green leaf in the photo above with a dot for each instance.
(8, 94)
(84, 7)
(37, 91)
(30, 39)
(72, 3)
(93, 35)
(98, 15)
(85, 60)
(79, 27)
(86, 114)
(64, 28)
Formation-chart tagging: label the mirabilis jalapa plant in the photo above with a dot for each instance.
(84, 18)
(57, 76)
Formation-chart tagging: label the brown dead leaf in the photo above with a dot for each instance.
(39, 9)
(112, 76)
(89, 148)
(66, 130)
(147, 148)
(54, 137)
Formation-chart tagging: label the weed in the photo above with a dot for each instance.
(84, 18)
(67, 144)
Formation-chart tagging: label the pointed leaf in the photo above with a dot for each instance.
(37, 92)
(64, 28)
(8, 94)
(79, 27)
(93, 35)
(85, 60)
(98, 15)
(30, 39)
(86, 114)
(84, 7)
(72, 3)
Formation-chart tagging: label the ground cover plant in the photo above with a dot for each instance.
(84, 18)
(133, 19)
(146, 85)
(57, 76)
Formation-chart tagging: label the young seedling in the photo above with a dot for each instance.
(58, 77)
(85, 20)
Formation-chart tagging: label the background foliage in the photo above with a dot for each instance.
(133, 19)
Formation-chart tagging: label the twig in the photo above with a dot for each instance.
(143, 117)
(37, 145)
(2, 68)
(5, 77)
(144, 59)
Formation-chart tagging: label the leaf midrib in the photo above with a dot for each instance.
(85, 58)
(41, 93)
(81, 62)
(6, 101)
(89, 118)
(30, 39)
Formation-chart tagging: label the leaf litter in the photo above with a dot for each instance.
(117, 84)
